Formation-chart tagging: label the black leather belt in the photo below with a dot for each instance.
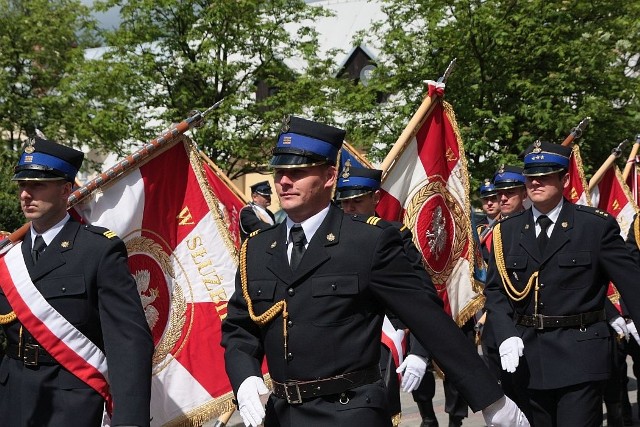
(30, 354)
(541, 321)
(295, 391)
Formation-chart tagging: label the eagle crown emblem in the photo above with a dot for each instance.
(437, 235)
(346, 172)
(537, 146)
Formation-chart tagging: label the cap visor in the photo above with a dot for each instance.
(36, 175)
(351, 193)
(293, 161)
(541, 170)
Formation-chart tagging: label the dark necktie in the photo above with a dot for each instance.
(38, 247)
(543, 238)
(299, 240)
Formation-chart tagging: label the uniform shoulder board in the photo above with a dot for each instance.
(372, 220)
(513, 215)
(101, 230)
(593, 211)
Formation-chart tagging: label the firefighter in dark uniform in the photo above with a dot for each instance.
(256, 216)
(82, 273)
(311, 294)
(546, 291)
(491, 209)
(358, 191)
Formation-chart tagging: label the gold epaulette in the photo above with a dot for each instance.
(373, 220)
(513, 293)
(254, 233)
(109, 234)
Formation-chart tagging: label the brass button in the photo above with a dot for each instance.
(291, 292)
(289, 323)
(63, 289)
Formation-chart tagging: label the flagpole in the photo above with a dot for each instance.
(576, 132)
(164, 141)
(631, 159)
(597, 176)
(224, 419)
(356, 154)
(414, 124)
(223, 177)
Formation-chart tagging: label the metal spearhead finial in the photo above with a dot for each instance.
(197, 118)
(577, 131)
(447, 72)
(618, 150)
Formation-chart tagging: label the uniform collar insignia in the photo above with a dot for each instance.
(331, 237)
(65, 244)
(564, 224)
(274, 244)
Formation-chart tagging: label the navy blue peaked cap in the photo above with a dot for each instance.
(305, 143)
(508, 177)
(354, 182)
(262, 188)
(44, 160)
(487, 189)
(544, 158)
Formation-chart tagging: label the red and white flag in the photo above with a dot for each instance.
(427, 188)
(577, 191)
(613, 196)
(184, 261)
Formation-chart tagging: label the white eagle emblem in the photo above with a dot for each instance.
(147, 296)
(437, 234)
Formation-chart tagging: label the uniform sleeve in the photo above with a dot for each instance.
(632, 244)
(400, 287)
(127, 338)
(241, 340)
(249, 221)
(497, 305)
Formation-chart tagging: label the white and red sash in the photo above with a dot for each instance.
(394, 340)
(66, 344)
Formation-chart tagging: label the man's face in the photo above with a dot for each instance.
(362, 205)
(546, 191)
(44, 203)
(261, 200)
(303, 192)
(512, 200)
(490, 206)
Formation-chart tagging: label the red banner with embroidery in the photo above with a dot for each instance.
(427, 188)
(183, 257)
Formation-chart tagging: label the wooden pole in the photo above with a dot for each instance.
(631, 160)
(224, 419)
(576, 132)
(597, 176)
(414, 124)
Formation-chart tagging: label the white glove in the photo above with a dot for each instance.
(504, 413)
(249, 404)
(631, 327)
(620, 326)
(412, 369)
(510, 351)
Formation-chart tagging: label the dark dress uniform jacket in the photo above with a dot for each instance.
(87, 280)
(584, 252)
(336, 299)
(250, 222)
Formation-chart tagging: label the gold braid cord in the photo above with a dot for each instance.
(513, 293)
(636, 230)
(273, 311)
(7, 318)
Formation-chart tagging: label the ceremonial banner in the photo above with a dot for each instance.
(427, 188)
(632, 180)
(184, 261)
(613, 196)
(577, 191)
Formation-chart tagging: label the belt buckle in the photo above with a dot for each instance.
(538, 321)
(30, 354)
(296, 398)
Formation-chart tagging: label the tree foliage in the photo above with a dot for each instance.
(526, 70)
(172, 56)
